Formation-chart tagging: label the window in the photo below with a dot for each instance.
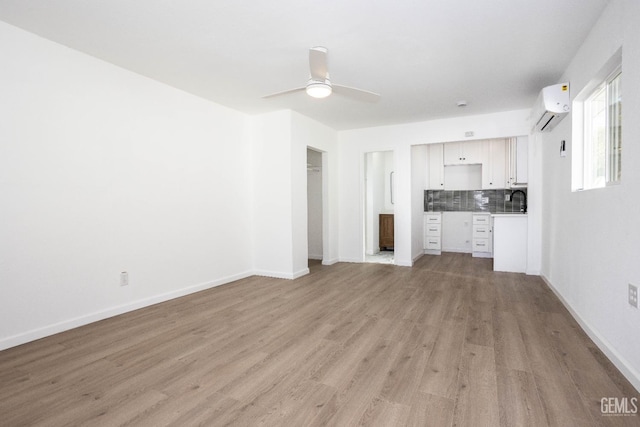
(599, 114)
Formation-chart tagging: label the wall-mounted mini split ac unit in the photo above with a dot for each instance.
(552, 106)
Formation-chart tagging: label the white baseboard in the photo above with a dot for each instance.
(457, 250)
(281, 275)
(359, 260)
(318, 257)
(300, 273)
(68, 324)
(329, 261)
(616, 358)
(417, 257)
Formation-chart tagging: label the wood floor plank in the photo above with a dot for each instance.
(440, 375)
(404, 378)
(509, 345)
(479, 328)
(384, 413)
(477, 401)
(518, 399)
(446, 342)
(431, 410)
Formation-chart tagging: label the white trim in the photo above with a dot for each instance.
(329, 261)
(403, 263)
(280, 275)
(357, 260)
(417, 257)
(68, 324)
(300, 273)
(612, 354)
(316, 257)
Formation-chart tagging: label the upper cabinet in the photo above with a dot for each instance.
(503, 160)
(494, 164)
(435, 171)
(518, 158)
(462, 153)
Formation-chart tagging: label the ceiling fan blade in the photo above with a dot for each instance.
(358, 94)
(286, 92)
(318, 63)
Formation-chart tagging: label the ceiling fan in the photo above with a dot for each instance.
(319, 85)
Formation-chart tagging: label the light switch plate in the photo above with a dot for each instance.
(633, 296)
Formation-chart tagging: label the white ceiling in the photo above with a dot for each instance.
(422, 56)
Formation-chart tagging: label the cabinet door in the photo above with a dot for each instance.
(386, 231)
(462, 153)
(436, 166)
(494, 166)
(471, 152)
(453, 153)
(518, 158)
(522, 157)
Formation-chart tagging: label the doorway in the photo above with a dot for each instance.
(314, 204)
(379, 200)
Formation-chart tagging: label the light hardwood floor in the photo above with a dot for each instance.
(447, 342)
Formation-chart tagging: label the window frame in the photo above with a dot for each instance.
(581, 178)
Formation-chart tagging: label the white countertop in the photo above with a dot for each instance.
(517, 215)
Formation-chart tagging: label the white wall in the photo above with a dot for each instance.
(388, 169)
(399, 138)
(591, 239)
(272, 203)
(306, 132)
(418, 185)
(103, 171)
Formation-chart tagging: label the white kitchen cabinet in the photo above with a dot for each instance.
(433, 233)
(482, 236)
(494, 164)
(510, 243)
(462, 153)
(518, 161)
(435, 159)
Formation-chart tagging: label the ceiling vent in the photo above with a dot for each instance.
(552, 106)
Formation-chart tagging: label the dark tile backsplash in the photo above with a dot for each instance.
(472, 201)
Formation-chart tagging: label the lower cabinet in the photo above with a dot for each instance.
(482, 235)
(433, 233)
(386, 231)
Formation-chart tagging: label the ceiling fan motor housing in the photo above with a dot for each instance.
(319, 89)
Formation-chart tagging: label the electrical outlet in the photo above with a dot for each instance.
(124, 278)
(633, 296)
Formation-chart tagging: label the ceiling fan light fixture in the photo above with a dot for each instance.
(318, 89)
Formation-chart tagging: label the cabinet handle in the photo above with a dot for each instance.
(391, 186)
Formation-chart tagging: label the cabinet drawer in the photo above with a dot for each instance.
(432, 243)
(481, 245)
(433, 230)
(433, 218)
(481, 231)
(481, 219)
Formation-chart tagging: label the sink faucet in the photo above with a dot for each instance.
(523, 204)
